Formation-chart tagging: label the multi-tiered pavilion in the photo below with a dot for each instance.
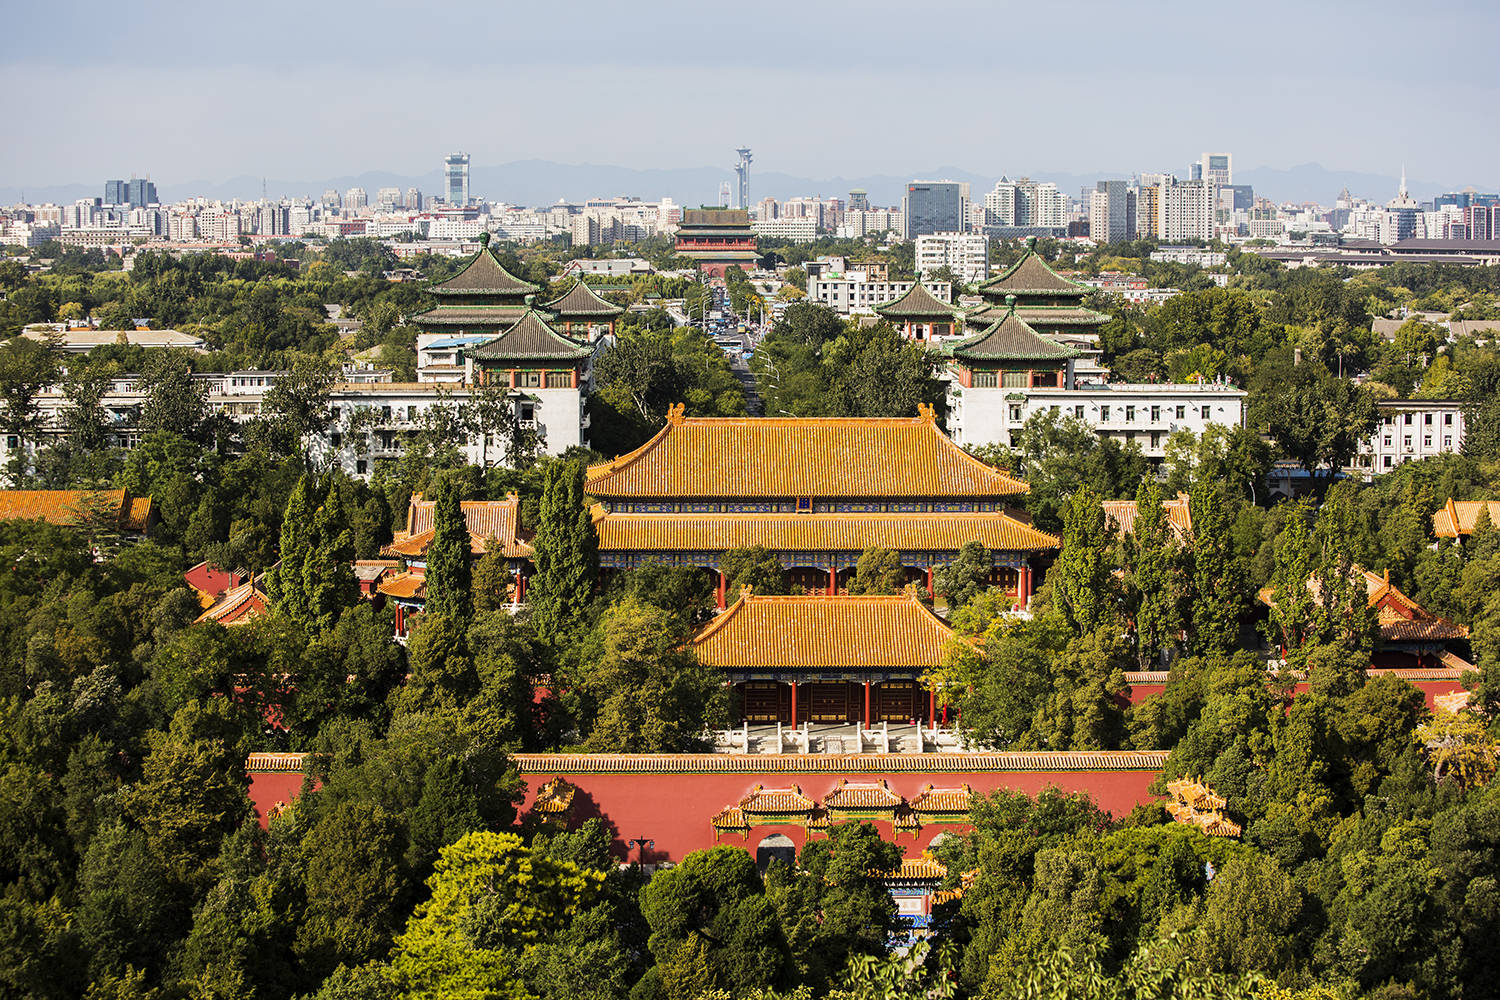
(816, 492)
(1046, 301)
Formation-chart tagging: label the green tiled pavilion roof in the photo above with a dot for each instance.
(1067, 315)
(582, 302)
(468, 315)
(484, 275)
(1010, 339)
(530, 339)
(1031, 276)
(918, 301)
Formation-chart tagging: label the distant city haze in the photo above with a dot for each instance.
(216, 100)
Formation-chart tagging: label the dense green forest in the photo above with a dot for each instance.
(131, 864)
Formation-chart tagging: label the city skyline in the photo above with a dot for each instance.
(309, 94)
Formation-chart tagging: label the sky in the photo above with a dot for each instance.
(183, 90)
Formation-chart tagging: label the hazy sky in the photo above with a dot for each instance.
(322, 88)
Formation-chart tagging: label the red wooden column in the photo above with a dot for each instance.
(833, 582)
(720, 591)
(866, 717)
(930, 593)
(794, 704)
(931, 709)
(1023, 586)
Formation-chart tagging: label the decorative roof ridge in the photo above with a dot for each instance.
(587, 293)
(484, 251)
(939, 304)
(722, 619)
(622, 462)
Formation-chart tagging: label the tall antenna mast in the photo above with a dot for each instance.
(742, 169)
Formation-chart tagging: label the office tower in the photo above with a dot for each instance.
(1217, 168)
(332, 201)
(413, 199)
(140, 192)
(1112, 208)
(935, 207)
(1401, 213)
(456, 179)
(114, 193)
(387, 198)
(859, 200)
(355, 199)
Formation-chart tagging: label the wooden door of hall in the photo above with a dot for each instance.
(761, 702)
(828, 701)
(894, 701)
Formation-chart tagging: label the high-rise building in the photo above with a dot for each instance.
(140, 192)
(1186, 210)
(332, 200)
(114, 193)
(387, 198)
(456, 179)
(935, 207)
(1112, 208)
(967, 255)
(413, 199)
(1400, 222)
(1217, 168)
(1024, 204)
(859, 200)
(355, 199)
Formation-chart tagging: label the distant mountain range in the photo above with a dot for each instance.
(543, 182)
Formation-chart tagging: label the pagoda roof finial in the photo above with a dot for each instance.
(484, 238)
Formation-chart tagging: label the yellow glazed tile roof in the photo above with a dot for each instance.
(861, 795)
(943, 800)
(71, 507)
(776, 800)
(499, 519)
(819, 631)
(1122, 514)
(799, 457)
(1458, 517)
(942, 532)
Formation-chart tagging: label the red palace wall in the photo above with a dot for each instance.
(641, 799)
(1432, 684)
(271, 788)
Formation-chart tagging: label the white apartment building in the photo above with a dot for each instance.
(1189, 255)
(1026, 203)
(798, 229)
(966, 254)
(852, 292)
(1142, 413)
(1186, 210)
(859, 224)
(371, 417)
(1411, 430)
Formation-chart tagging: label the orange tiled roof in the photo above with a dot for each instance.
(1122, 513)
(864, 763)
(1398, 617)
(1458, 517)
(926, 866)
(262, 762)
(861, 795)
(239, 606)
(732, 818)
(943, 800)
(996, 531)
(776, 800)
(70, 507)
(799, 457)
(499, 519)
(818, 631)
(402, 585)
